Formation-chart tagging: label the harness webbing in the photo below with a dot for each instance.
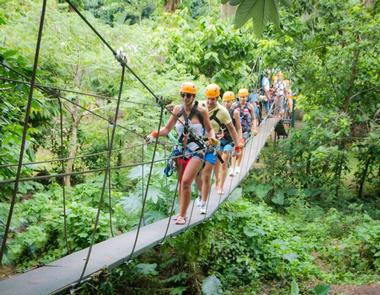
(186, 131)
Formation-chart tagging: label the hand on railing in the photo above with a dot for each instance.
(151, 137)
(212, 141)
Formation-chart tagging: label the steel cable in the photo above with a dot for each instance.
(60, 89)
(25, 128)
(147, 185)
(107, 171)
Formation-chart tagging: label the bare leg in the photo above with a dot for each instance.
(206, 181)
(217, 174)
(225, 157)
(187, 179)
(198, 180)
(239, 157)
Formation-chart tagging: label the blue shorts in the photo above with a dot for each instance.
(211, 157)
(225, 145)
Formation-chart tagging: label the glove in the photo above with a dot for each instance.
(213, 141)
(151, 137)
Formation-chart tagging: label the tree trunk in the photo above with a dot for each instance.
(76, 115)
(73, 144)
(364, 175)
(354, 73)
(171, 5)
(227, 10)
(369, 3)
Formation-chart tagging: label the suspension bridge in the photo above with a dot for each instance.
(63, 274)
(78, 267)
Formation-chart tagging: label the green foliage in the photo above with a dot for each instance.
(367, 151)
(12, 116)
(216, 51)
(211, 285)
(321, 289)
(261, 11)
(255, 245)
(310, 163)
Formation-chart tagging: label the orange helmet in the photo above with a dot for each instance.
(243, 92)
(188, 87)
(212, 91)
(228, 96)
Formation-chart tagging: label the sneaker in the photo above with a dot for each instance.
(237, 170)
(232, 172)
(203, 209)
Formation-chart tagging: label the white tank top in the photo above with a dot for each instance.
(196, 129)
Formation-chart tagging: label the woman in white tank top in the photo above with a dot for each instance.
(197, 121)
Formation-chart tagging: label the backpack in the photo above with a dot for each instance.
(245, 117)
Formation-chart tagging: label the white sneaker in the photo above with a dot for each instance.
(203, 209)
(232, 172)
(237, 170)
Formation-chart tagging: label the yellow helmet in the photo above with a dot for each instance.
(188, 87)
(243, 92)
(212, 91)
(228, 96)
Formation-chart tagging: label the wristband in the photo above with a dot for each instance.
(154, 133)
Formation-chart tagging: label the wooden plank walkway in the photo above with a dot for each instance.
(64, 273)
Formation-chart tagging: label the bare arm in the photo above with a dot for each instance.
(250, 108)
(206, 121)
(231, 129)
(172, 120)
(237, 123)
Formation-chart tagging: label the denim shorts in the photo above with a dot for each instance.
(211, 157)
(225, 145)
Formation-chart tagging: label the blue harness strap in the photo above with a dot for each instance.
(170, 164)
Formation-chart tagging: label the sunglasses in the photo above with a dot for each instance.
(187, 95)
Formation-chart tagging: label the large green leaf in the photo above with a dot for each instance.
(262, 190)
(244, 12)
(261, 12)
(278, 198)
(211, 286)
(148, 269)
(322, 289)
(294, 289)
(235, 2)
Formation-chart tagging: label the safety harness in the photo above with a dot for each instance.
(245, 117)
(188, 136)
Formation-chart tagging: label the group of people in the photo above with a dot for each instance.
(276, 92)
(209, 133)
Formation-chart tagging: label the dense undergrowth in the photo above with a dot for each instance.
(249, 247)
